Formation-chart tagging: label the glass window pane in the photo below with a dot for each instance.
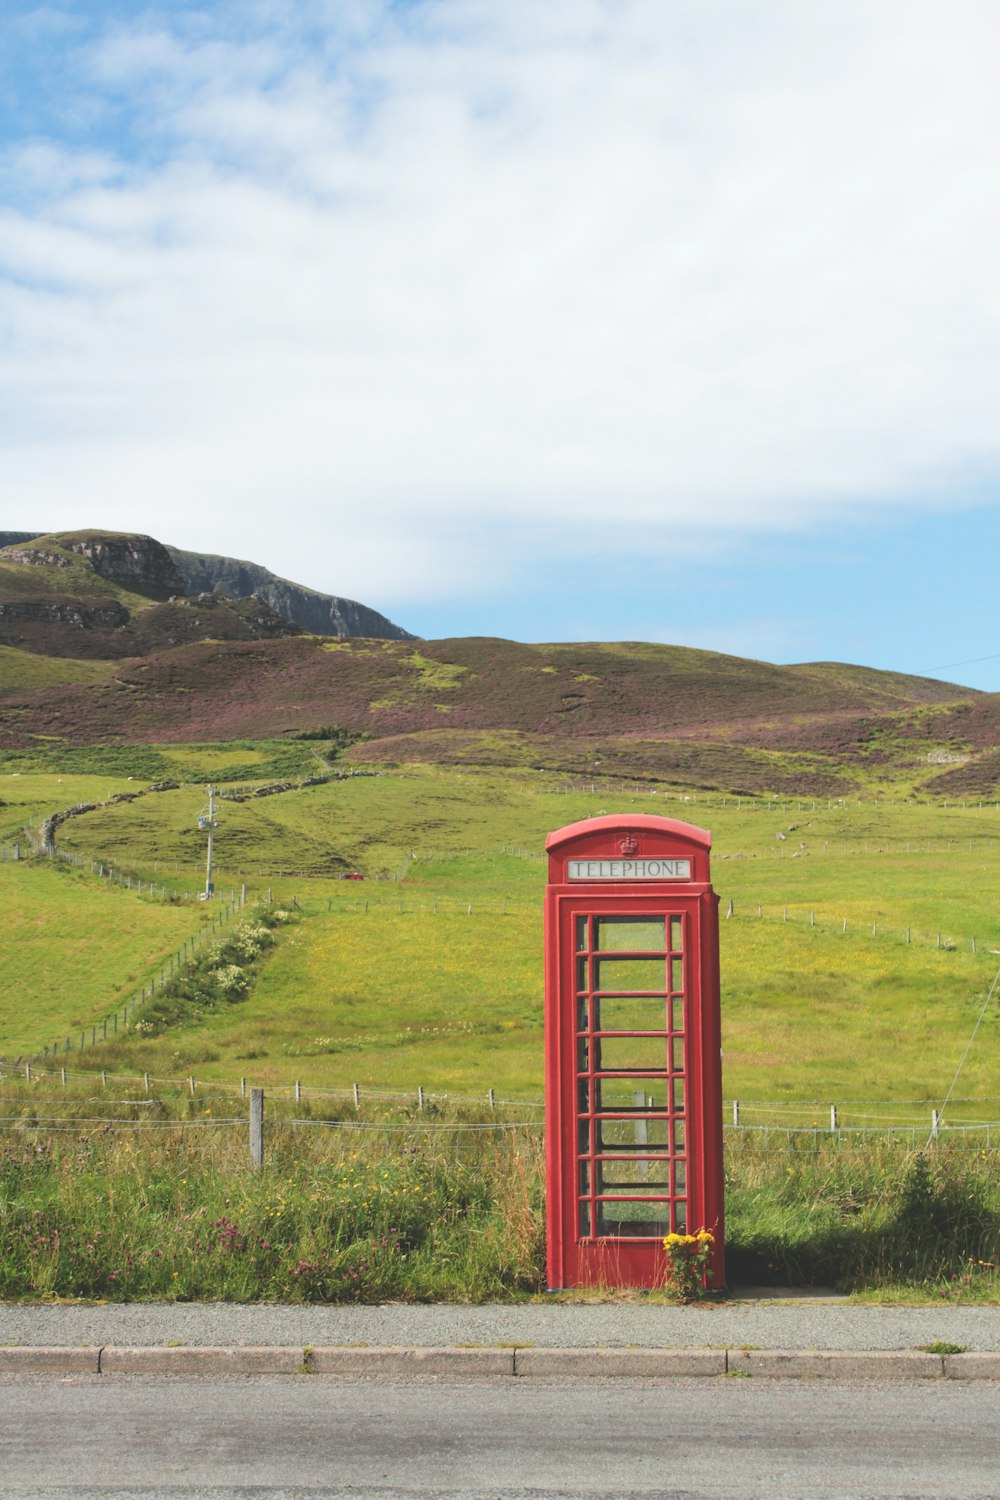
(613, 1054)
(616, 1013)
(633, 1220)
(679, 1134)
(582, 1055)
(618, 1095)
(629, 1174)
(676, 935)
(680, 1217)
(581, 1012)
(677, 975)
(680, 1177)
(678, 1096)
(584, 1176)
(677, 1050)
(581, 934)
(632, 1136)
(582, 974)
(582, 1096)
(617, 974)
(584, 1218)
(583, 1135)
(635, 934)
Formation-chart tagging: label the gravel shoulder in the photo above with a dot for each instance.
(787, 1324)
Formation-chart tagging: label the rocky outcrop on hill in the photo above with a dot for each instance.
(21, 621)
(320, 614)
(144, 565)
(139, 563)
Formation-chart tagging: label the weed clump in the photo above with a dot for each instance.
(222, 975)
(864, 1218)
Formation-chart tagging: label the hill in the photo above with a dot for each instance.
(635, 710)
(102, 643)
(146, 569)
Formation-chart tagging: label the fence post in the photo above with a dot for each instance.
(243, 1087)
(298, 1092)
(736, 1111)
(730, 911)
(935, 1122)
(357, 1097)
(257, 1129)
(493, 1100)
(145, 1081)
(63, 1072)
(420, 1097)
(833, 1117)
(191, 1086)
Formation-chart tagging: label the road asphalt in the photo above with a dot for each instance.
(785, 1336)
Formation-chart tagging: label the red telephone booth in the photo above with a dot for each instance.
(632, 1049)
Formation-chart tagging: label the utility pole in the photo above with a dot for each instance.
(208, 823)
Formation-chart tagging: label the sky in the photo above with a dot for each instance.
(668, 320)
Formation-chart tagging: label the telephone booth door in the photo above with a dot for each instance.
(632, 1035)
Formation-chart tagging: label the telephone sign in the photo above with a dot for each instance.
(632, 1038)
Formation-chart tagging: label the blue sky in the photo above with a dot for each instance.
(671, 320)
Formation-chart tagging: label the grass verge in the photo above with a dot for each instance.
(156, 1200)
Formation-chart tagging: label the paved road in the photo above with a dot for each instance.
(685, 1440)
(813, 1324)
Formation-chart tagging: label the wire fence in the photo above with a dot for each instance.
(784, 1121)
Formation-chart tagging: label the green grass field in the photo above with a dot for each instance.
(83, 946)
(428, 973)
(419, 990)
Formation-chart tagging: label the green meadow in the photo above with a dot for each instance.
(859, 943)
(862, 942)
(82, 948)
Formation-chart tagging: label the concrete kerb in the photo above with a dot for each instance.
(530, 1363)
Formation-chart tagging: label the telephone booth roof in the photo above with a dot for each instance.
(650, 835)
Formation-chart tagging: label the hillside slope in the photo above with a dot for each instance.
(100, 645)
(647, 711)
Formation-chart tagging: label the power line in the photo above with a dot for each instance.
(971, 661)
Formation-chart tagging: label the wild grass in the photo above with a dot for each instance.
(369, 1208)
(874, 1219)
(235, 760)
(335, 1217)
(28, 672)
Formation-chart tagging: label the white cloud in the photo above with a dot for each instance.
(389, 274)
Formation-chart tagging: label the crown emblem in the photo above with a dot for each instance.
(628, 845)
